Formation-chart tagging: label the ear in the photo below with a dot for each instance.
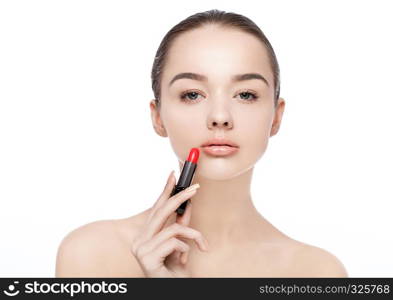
(156, 119)
(279, 111)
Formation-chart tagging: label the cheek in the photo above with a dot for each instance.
(179, 123)
(254, 133)
(183, 131)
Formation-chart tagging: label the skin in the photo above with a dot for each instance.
(241, 242)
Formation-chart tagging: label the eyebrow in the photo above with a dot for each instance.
(238, 77)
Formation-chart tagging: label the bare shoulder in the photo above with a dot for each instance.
(312, 261)
(99, 249)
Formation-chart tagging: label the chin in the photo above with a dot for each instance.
(219, 170)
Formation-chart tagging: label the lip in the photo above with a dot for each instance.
(219, 141)
(219, 150)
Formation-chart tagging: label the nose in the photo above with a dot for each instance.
(220, 121)
(220, 124)
(219, 113)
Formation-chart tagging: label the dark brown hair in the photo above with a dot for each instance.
(226, 19)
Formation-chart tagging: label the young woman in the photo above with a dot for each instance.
(215, 80)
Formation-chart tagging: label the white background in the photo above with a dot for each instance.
(77, 144)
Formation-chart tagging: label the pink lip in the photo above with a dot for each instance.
(219, 150)
(220, 141)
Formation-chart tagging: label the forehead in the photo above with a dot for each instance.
(217, 52)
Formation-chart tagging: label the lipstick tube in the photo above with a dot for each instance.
(186, 177)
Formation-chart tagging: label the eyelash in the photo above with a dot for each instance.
(184, 98)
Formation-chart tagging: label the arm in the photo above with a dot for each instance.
(318, 262)
(96, 250)
(77, 253)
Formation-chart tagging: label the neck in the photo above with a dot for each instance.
(223, 211)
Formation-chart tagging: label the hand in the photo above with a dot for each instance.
(159, 251)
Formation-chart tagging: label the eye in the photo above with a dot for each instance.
(247, 94)
(192, 96)
(189, 96)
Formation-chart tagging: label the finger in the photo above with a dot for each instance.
(178, 231)
(166, 193)
(168, 247)
(173, 259)
(170, 184)
(161, 215)
(184, 257)
(184, 220)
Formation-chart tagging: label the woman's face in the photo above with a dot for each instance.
(193, 111)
